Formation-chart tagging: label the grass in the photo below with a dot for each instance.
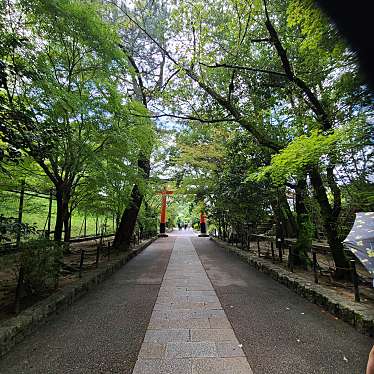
(35, 212)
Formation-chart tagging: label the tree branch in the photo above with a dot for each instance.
(260, 40)
(191, 118)
(335, 191)
(238, 67)
(313, 101)
(170, 78)
(139, 79)
(228, 105)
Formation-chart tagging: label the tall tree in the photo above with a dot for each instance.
(145, 81)
(76, 112)
(237, 58)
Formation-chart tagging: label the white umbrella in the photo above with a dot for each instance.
(360, 240)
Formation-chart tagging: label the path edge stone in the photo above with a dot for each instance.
(360, 316)
(15, 329)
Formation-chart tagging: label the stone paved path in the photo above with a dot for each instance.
(189, 332)
(164, 317)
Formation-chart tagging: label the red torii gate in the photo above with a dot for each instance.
(164, 193)
(203, 224)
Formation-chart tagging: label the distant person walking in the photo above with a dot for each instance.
(185, 226)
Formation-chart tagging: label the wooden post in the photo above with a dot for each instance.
(272, 251)
(355, 280)
(85, 225)
(290, 257)
(19, 289)
(315, 270)
(97, 256)
(81, 263)
(105, 224)
(20, 212)
(164, 193)
(279, 244)
(203, 232)
(163, 215)
(49, 213)
(101, 238)
(267, 250)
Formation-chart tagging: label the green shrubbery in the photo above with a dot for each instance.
(41, 261)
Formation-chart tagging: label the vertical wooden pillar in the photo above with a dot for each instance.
(203, 225)
(20, 213)
(164, 193)
(49, 213)
(85, 225)
(163, 215)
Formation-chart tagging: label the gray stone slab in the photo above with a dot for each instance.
(203, 298)
(219, 323)
(201, 293)
(194, 313)
(207, 366)
(213, 335)
(190, 349)
(200, 288)
(229, 349)
(186, 305)
(152, 366)
(190, 323)
(167, 335)
(238, 365)
(157, 314)
(152, 350)
(159, 324)
(172, 299)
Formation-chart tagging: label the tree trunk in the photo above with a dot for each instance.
(67, 225)
(330, 225)
(285, 221)
(128, 220)
(304, 229)
(62, 213)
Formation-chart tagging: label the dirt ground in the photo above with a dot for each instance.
(69, 272)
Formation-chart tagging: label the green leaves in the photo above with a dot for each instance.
(306, 151)
(82, 129)
(81, 20)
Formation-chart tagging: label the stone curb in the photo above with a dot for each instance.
(360, 316)
(14, 330)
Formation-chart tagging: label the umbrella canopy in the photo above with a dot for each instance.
(360, 240)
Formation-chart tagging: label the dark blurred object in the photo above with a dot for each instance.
(354, 20)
